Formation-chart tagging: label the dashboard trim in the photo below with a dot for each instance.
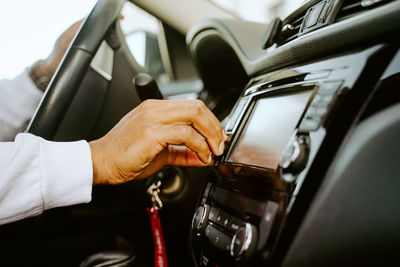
(317, 44)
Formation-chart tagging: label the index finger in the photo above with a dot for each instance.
(187, 112)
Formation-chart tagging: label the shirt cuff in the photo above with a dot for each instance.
(67, 173)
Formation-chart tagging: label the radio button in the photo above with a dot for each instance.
(222, 218)
(205, 261)
(218, 238)
(316, 112)
(213, 214)
(311, 111)
(235, 224)
(320, 100)
(330, 87)
(317, 98)
(321, 111)
(226, 221)
(309, 124)
(327, 98)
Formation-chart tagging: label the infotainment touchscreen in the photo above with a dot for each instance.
(268, 129)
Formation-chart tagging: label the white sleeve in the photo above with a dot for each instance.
(37, 175)
(18, 101)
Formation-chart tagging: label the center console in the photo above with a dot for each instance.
(277, 128)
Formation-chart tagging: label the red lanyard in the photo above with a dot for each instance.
(160, 253)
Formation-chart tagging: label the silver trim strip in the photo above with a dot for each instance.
(103, 61)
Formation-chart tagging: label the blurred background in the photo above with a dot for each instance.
(30, 28)
(260, 10)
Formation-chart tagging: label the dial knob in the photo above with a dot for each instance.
(244, 242)
(295, 158)
(200, 218)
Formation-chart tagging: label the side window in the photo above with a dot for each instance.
(141, 32)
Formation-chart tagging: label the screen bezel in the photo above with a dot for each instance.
(281, 91)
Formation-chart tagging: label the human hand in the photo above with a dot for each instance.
(60, 47)
(149, 137)
(47, 67)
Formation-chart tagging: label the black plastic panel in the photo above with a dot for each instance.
(84, 110)
(354, 219)
(344, 83)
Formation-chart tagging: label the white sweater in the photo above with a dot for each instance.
(36, 174)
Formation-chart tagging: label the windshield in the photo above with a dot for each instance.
(260, 10)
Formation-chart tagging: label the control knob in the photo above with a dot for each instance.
(295, 158)
(200, 218)
(244, 242)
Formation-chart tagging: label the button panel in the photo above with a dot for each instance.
(330, 87)
(310, 124)
(222, 218)
(225, 220)
(319, 106)
(226, 238)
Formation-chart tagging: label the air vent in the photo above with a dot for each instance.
(290, 30)
(352, 8)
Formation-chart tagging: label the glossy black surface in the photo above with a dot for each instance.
(268, 129)
(244, 190)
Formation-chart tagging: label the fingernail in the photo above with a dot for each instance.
(225, 136)
(221, 147)
(209, 158)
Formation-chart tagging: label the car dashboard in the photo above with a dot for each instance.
(295, 185)
(310, 173)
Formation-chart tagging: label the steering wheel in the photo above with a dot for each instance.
(71, 71)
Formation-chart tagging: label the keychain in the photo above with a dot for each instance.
(160, 253)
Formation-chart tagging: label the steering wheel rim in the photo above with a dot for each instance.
(73, 67)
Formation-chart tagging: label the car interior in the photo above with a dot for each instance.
(310, 103)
